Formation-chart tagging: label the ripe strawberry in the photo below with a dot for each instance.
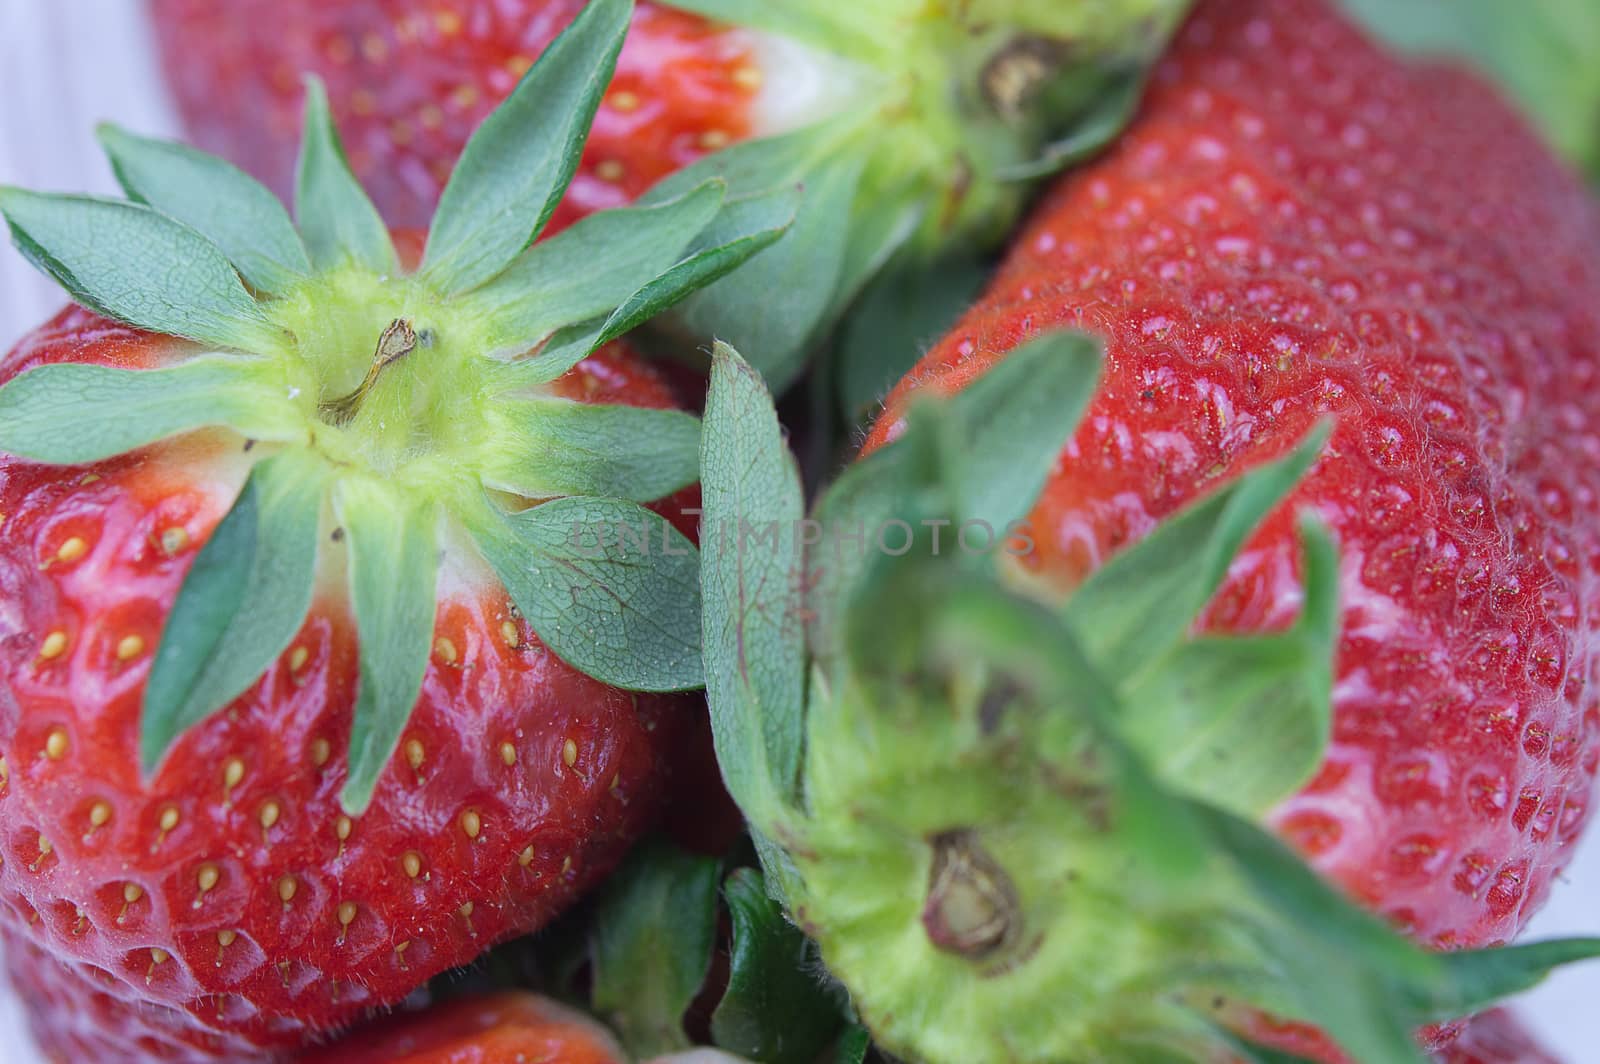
(1497, 1037)
(1023, 817)
(915, 118)
(323, 671)
(504, 1028)
(1284, 235)
(410, 82)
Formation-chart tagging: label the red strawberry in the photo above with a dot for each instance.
(323, 670)
(1286, 234)
(1030, 827)
(504, 1028)
(409, 82)
(1497, 1038)
(921, 121)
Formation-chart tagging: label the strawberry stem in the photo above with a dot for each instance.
(397, 341)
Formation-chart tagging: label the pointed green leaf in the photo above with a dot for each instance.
(750, 572)
(515, 169)
(1010, 425)
(609, 586)
(1144, 599)
(1244, 722)
(987, 451)
(586, 271)
(1342, 965)
(217, 199)
(135, 264)
(1112, 99)
(69, 413)
(551, 447)
(774, 307)
(241, 603)
(337, 220)
(743, 230)
(394, 565)
(777, 1008)
(753, 168)
(653, 933)
(739, 232)
(1481, 977)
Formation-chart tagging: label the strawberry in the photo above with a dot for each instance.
(1260, 252)
(1497, 1037)
(923, 122)
(409, 83)
(503, 1028)
(1135, 755)
(323, 670)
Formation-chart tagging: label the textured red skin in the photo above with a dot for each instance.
(507, 1028)
(409, 80)
(84, 965)
(1300, 225)
(1497, 1038)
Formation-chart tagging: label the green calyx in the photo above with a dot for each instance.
(940, 117)
(1022, 828)
(394, 418)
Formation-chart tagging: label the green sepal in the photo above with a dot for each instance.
(1368, 986)
(132, 263)
(1244, 721)
(777, 1009)
(1479, 978)
(515, 169)
(610, 587)
(589, 269)
(69, 413)
(1143, 599)
(241, 603)
(985, 453)
(741, 231)
(217, 199)
(1007, 428)
(552, 447)
(777, 305)
(738, 233)
(654, 929)
(750, 568)
(393, 572)
(1109, 101)
(337, 220)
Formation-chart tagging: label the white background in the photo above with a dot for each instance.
(65, 64)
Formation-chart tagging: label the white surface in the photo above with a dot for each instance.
(65, 64)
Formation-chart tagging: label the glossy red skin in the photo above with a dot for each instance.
(293, 968)
(1497, 1038)
(1299, 225)
(409, 80)
(507, 1028)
